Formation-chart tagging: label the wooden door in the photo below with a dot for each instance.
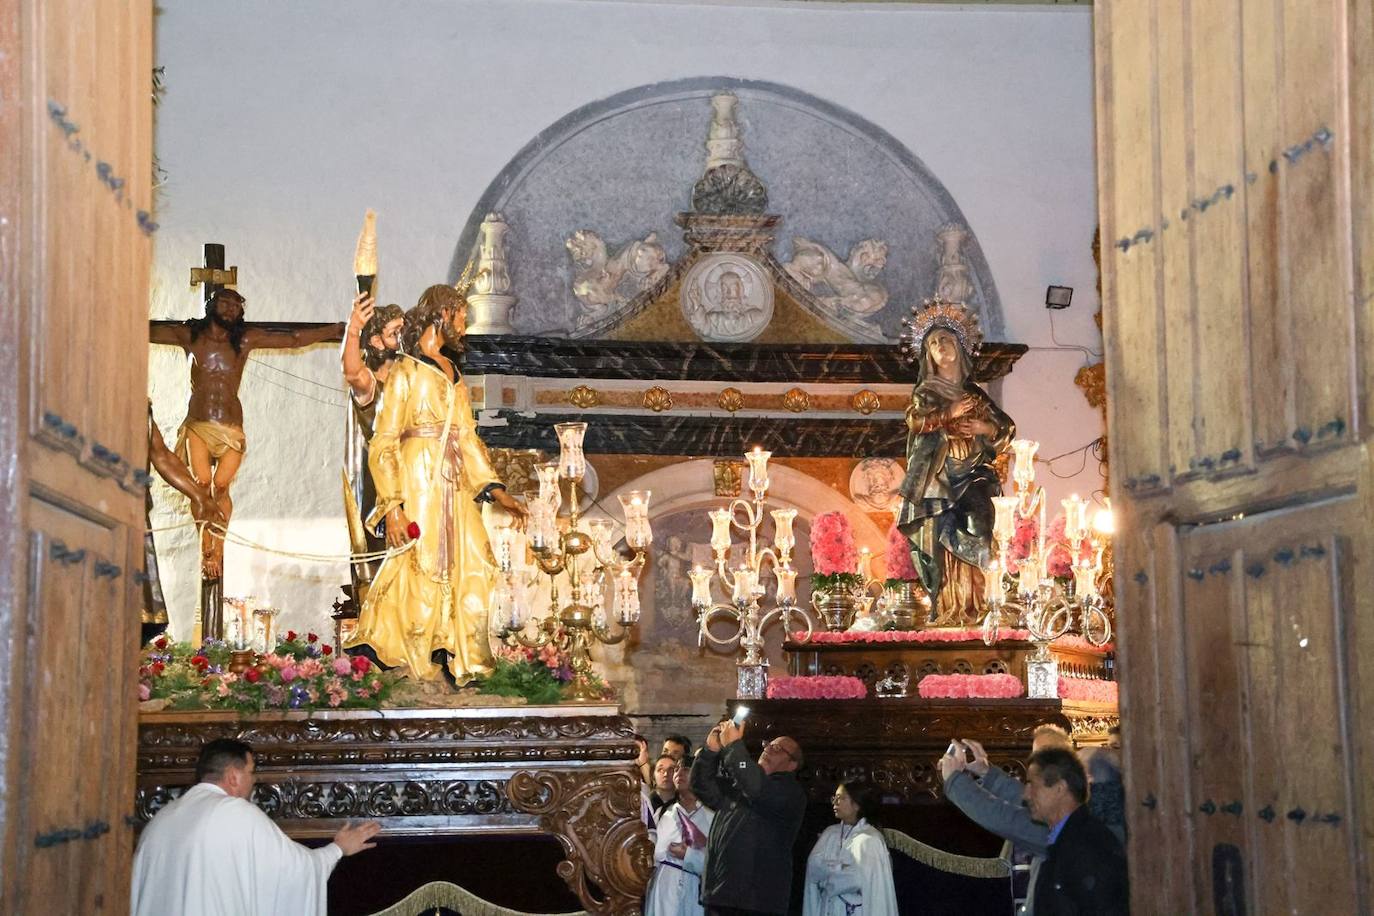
(75, 247)
(1235, 170)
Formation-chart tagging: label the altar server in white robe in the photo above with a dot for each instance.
(679, 852)
(214, 853)
(849, 872)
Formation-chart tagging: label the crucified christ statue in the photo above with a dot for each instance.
(211, 439)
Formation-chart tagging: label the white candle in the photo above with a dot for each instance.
(783, 538)
(720, 531)
(758, 470)
(701, 586)
(638, 534)
(1004, 528)
(787, 584)
(1023, 466)
(571, 462)
(744, 585)
(627, 596)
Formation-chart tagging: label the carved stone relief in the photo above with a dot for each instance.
(953, 283)
(849, 287)
(727, 297)
(604, 283)
(874, 484)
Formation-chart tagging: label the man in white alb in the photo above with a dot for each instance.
(212, 852)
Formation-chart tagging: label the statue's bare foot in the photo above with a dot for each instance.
(211, 557)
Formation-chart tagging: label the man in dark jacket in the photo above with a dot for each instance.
(1085, 871)
(759, 807)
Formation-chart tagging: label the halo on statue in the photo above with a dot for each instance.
(939, 313)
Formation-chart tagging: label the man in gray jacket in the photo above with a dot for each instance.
(993, 800)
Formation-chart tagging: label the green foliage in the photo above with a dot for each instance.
(529, 679)
(832, 582)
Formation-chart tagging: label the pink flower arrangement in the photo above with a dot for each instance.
(1060, 562)
(832, 545)
(1077, 688)
(962, 686)
(899, 565)
(342, 666)
(950, 634)
(820, 687)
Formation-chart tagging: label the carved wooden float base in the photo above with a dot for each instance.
(565, 770)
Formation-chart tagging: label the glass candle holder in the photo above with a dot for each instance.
(572, 464)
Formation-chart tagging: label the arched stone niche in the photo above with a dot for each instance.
(661, 669)
(624, 166)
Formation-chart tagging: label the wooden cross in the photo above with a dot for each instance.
(213, 275)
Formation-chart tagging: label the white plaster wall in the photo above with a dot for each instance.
(282, 122)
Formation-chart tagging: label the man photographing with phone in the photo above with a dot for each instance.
(759, 806)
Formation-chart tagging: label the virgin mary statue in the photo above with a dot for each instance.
(955, 433)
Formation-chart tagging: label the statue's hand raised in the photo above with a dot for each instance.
(363, 306)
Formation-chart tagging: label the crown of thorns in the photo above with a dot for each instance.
(938, 313)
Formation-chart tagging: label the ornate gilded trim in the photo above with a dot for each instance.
(796, 400)
(584, 397)
(728, 475)
(865, 402)
(596, 819)
(658, 399)
(351, 798)
(968, 866)
(731, 399)
(438, 895)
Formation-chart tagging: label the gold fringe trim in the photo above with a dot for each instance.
(969, 866)
(436, 894)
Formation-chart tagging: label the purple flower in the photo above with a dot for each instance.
(312, 650)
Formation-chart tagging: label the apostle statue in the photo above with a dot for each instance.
(370, 349)
(431, 472)
(955, 433)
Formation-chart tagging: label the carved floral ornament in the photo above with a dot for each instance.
(865, 402)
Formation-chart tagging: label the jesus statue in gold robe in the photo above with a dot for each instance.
(431, 472)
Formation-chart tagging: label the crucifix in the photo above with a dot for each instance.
(211, 439)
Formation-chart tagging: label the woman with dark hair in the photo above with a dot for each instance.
(849, 872)
(956, 433)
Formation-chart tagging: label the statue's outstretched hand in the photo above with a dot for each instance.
(512, 506)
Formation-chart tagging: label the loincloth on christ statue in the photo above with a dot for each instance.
(220, 438)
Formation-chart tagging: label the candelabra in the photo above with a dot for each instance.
(1037, 600)
(588, 559)
(745, 584)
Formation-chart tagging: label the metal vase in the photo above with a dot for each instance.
(835, 607)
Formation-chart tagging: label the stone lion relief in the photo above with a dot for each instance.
(727, 297)
(848, 287)
(603, 283)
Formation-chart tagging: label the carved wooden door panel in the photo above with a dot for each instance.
(1235, 173)
(68, 821)
(89, 136)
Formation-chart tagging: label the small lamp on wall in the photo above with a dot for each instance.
(1058, 297)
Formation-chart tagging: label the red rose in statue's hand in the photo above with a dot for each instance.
(326, 650)
(290, 635)
(413, 530)
(311, 637)
(161, 642)
(252, 676)
(360, 663)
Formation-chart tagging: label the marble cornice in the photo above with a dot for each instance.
(704, 436)
(547, 357)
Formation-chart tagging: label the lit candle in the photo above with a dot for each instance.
(865, 558)
(541, 524)
(571, 462)
(758, 470)
(787, 584)
(992, 584)
(1104, 523)
(701, 587)
(638, 534)
(720, 531)
(1004, 528)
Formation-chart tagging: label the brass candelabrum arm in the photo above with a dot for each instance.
(724, 611)
(784, 613)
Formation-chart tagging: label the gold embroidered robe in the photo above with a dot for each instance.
(425, 456)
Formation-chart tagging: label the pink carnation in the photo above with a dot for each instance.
(1077, 688)
(962, 686)
(342, 667)
(899, 565)
(144, 691)
(821, 687)
(310, 667)
(288, 674)
(832, 544)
